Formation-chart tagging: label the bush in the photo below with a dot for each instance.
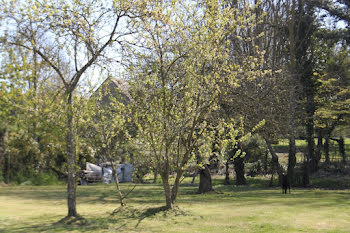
(45, 179)
(37, 179)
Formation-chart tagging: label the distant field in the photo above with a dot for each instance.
(282, 148)
(239, 209)
(302, 143)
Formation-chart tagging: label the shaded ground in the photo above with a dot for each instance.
(252, 208)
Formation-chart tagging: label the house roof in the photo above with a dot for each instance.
(121, 85)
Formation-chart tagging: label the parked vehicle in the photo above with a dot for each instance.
(103, 173)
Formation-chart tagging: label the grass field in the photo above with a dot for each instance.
(238, 209)
(301, 145)
(283, 146)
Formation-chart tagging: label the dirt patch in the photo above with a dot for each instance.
(3, 184)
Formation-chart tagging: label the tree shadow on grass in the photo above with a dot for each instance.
(90, 224)
(140, 214)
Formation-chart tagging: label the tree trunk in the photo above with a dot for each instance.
(3, 159)
(8, 168)
(116, 181)
(265, 162)
(205, 184)
(175, 189)
(194, 176)
(318, 153)
(167, 190)
(342, 149)
(291, 158)
(326, 149)
(239, 169)
(227, 174)
(294, 82)
(71, 182)
(310, 165)
(155, 174)
(274, 159)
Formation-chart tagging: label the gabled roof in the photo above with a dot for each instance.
(117, 85)
(123, 86)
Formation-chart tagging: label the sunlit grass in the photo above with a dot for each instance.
(252, 208)
(282, 149)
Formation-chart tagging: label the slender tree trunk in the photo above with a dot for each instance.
(326, 149)
(71, 182)
(318, 153)
(194, 176)
(291, 158)
(310, 109)
(342, 149)
(175, 189)
(275, 162)
(116, 181)
(308, 166)
(227, 174)
(3, 159)
(8, 168)
(292, 97)
(155, 175)
(205, 184)
(265, 162)
(310, 138)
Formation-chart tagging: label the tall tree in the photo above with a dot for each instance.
(264, 96)
(175, 82)
(333, 92)
(70, 37)
(105, 125)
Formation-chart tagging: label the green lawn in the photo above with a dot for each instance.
(282, 148)
(237, 209)
(301, 144)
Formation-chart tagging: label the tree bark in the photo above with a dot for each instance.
(318, 153)
(205, 184)
(71, 182)
(194, 176)
(342, 149)
(310, 165)
(116, 181)
(291, 158)
(175, 189)
(227, 174)
(292, 95)
(3, 158)
(311, 145)
(274, 158)
(8, 168)
(167, 190)
(265, 162)
(155, 175)
(326, 149)
(239, 169)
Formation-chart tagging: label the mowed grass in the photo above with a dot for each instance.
(252, 208)
(301, 147)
